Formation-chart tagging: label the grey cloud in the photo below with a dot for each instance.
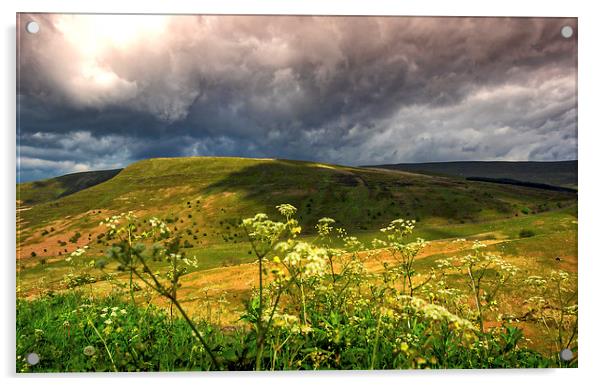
(351, 90)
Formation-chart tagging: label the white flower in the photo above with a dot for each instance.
(78, 252)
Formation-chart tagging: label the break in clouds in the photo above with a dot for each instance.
(99, 92)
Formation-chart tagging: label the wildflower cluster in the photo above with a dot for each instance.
(324, 295)
(317, 306)
(301, 258)
(485, 273)
(554, 306)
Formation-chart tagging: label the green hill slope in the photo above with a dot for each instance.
(36, 192)
(210, 191)
(204, 198)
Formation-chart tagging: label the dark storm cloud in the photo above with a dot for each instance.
(353, 90)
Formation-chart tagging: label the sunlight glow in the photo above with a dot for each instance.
(91, 37)
(93, 33)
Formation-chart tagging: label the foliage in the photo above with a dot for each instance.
(486, 275)
(554, 305)
(316, 306)
(75, 332)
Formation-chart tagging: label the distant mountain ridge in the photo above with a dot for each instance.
(554, 173)
(36, 192)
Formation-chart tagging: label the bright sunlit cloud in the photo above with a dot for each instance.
(91, 34)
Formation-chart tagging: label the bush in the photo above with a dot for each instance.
(75, 237)
(524, 233)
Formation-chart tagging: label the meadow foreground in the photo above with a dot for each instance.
(196, 264)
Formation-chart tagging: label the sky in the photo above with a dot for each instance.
(102, 91)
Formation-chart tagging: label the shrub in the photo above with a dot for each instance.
(524, 233)
(75, 237)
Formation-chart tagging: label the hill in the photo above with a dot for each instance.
(229, 188)
(205, 198)
(36, 192)
(561, 173)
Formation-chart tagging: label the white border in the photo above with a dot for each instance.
(589, 176)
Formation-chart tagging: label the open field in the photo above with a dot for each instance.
(204, 199)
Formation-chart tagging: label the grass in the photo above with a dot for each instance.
(359, 194)
(70, 334)
(223, 190)
(208, 196)
(220, 254)
(205, 198)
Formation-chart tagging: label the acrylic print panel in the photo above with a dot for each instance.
(295, 192)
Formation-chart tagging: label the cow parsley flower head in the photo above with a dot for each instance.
(324, 226)
(287, 210)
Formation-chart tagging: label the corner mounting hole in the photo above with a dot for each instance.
(32, 27)
(566, 31)
(566, 355)
(33, 358)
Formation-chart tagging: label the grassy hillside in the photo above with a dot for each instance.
(562, 173)
(203, 199)
(222, 190)
(36, 192)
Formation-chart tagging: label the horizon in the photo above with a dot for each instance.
(93, 94)
(284, 159)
